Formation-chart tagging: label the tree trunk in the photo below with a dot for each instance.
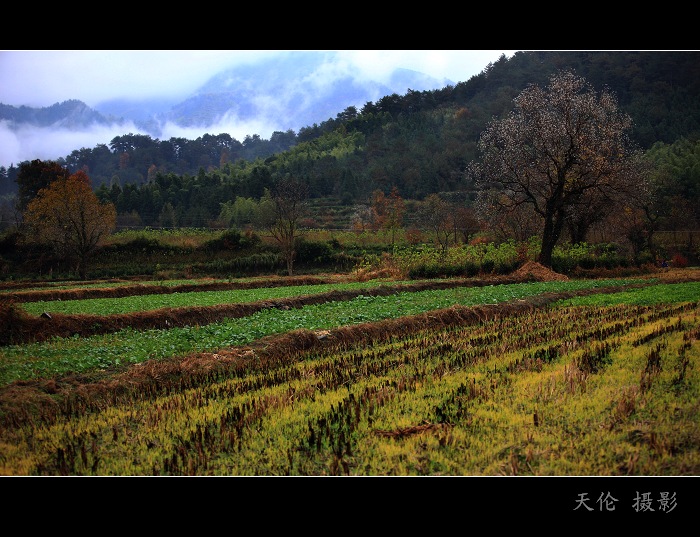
(545, 257)
(578, 231)
(290, 262)
(550, 236)
(82, 269)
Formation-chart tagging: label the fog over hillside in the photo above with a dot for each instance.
(290, 91)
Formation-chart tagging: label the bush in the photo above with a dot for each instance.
(9, 241)
(313, 251)
(344, 262)
(563, 264)
(228, 240)
(679, 261)
(506, 267)
(139, 245)
(470, 269)
(257, 263)
(487, 266)
(232, 240)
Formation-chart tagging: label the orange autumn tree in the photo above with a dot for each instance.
(68, 216)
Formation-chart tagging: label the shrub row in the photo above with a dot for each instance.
(232, 253)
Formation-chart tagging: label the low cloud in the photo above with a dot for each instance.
(29, 143)
(44, 143)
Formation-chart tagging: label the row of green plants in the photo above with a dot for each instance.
(129, 304)
(568, 389)
(130, 346)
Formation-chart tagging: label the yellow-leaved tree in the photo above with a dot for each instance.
(68, 217)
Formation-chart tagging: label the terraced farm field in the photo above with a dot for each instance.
(527, 375)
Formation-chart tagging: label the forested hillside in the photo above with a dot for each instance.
(418, 143)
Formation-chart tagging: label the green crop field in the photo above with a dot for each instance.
(596, 377)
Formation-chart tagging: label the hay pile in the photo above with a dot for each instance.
(532, 270)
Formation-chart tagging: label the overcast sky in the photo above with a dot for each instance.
(41, 78)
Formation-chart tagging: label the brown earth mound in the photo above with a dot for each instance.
(532, 270)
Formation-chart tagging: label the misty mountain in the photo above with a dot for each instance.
(293, 90)
(71, 115)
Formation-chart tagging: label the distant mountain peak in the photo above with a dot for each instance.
(70, 114)
(294, 89)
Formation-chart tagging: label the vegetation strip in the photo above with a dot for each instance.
(22, 328)
(142, 303)
(130, 346)
(154, 288)
(371, 332)
(460, 391)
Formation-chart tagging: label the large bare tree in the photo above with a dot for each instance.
(565, 151)
(280, 211)
(434, 214)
